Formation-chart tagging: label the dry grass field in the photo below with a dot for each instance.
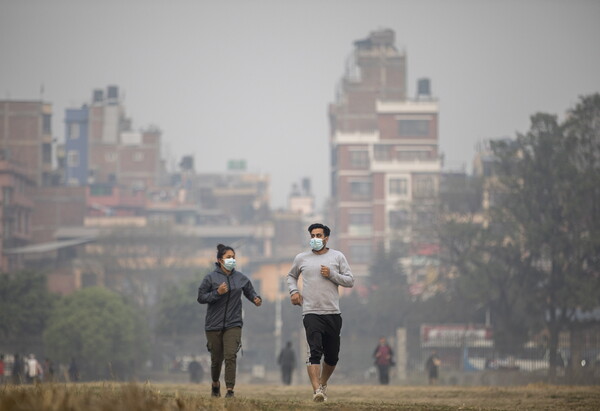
(111, 396)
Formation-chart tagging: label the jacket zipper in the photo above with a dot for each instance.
(226, 302)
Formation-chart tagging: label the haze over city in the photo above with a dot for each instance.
(253, 80)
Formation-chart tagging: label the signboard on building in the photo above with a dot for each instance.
(456, 335)
(236, 165)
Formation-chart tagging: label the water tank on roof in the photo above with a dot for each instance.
(98, 96)
(112, 94)
(423, 87)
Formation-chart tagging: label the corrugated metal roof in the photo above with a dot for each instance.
(46, 247)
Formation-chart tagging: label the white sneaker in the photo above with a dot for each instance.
(323, 389)
(319, 395)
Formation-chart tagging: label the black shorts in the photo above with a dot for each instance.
(323, 337)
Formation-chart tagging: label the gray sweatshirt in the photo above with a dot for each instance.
(320, 294)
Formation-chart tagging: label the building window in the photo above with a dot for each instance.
(423, 186)
(110, 157)
(138, 156)
(73, 158)
(6, 232)
(413, 155)
(100, 190)
(359, 159)
(360, 190)
(360, 223)
(413, 128)
(398, 186)
(47, 153)
(7, 196)
(74, 131)
(360, 253)
(383, 152)
(47, 123)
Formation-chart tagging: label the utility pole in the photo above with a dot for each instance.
(278, 320)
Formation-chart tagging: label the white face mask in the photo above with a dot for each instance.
(229, 263)
(316, 243)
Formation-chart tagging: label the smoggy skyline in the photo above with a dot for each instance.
(252, 79)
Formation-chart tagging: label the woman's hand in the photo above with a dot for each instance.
(257, 301)
(222, 288)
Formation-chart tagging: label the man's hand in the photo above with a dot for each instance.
(325, 271)
(222, 288)
(257, 301)
(296, 299)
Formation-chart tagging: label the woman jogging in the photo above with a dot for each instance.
(222, 291)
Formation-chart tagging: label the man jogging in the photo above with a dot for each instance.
(323, 269)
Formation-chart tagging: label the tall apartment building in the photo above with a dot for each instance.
(26, 137)
(16, 207)
(102, 149)
(385, 161)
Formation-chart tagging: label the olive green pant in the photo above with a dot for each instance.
(224, 345)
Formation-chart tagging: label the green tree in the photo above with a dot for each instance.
(25, 305)
(100, 330)
(179, 312)
(493, 276)
(387, 303)
(549, 181)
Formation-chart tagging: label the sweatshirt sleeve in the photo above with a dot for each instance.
(344, 277)
(292, 277)
(206, 294)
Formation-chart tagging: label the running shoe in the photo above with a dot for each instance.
(319, 395)
(215, 391)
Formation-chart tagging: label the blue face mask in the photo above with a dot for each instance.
(229, 263)
(316, 243)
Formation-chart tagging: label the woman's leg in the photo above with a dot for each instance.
(232, 341)
(214, 343)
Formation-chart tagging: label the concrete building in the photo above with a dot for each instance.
(101, 147)
(385, 160)
(26, 137)
(16, 208)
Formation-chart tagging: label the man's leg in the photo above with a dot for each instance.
(314, 374)
(331, 346)
(313, 325)
(326, 373)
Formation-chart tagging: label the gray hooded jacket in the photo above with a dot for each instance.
(224, 311)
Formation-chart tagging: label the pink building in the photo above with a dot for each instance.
(385, 160)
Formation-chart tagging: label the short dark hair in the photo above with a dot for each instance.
(326, 229)
(222, 249)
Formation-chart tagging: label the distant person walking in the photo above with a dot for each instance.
(1, 368)
(33, 369)
(17, 369)
(196, 371)
(287, 362)
(48, 370)
(323, 270)
(73, 370)
(432, 366)
(222, 290)
(383, 355)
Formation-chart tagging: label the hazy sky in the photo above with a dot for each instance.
(253, 79)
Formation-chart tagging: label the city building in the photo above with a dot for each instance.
(385, 163)
(101, 147)
(15, 211)
(26, 137)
